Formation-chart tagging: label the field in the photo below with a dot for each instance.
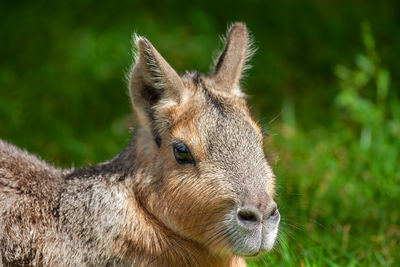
(324, 85)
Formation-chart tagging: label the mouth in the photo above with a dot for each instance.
(252, 241)
(257, 252)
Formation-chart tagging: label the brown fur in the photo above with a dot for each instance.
(143, 208)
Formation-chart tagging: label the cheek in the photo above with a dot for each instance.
(271, 188)
(194, 206)
(270, 182)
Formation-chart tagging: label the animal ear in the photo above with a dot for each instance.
(232, 62)
(153, 83)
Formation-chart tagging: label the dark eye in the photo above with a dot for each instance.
(182, 154)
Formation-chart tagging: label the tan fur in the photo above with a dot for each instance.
(144, 207)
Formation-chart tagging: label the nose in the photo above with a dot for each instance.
(249, 216)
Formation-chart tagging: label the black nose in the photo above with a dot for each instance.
(249, 216)
(272, 212)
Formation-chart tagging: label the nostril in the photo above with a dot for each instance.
(274, 214)
(248, 216)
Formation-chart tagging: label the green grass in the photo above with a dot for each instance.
(324, 83)
(340, 186)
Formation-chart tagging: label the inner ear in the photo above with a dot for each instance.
(150, 94)
(154, 86)
(232, 61)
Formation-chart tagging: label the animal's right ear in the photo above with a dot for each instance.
(153, 83)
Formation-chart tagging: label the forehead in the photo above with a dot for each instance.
(215, 124)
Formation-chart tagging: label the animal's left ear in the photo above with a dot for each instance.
(232, 62)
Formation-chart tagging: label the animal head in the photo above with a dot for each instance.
(202, 169)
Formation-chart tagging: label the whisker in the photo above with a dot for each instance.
(275, 118)
(308, 220)
(215, 237)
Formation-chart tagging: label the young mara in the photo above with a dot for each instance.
(193, 187)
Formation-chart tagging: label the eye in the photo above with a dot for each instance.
(182, 154)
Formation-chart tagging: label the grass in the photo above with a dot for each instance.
(340, 186)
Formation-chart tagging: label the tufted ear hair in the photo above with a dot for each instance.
(153, 84)
(231, 64)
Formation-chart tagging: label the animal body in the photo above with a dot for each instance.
(193, 187)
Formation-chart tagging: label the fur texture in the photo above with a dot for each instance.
(144, 207)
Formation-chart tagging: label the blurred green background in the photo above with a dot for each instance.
(324, 84)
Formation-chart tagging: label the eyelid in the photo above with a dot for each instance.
(177, 142)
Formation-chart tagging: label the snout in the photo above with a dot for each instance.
(250, 217)
(255, 226)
